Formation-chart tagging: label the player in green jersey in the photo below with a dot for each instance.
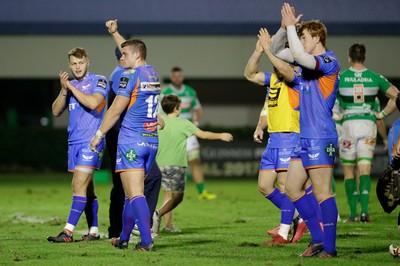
(358, 88)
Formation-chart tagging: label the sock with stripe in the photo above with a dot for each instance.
(351, 193)
(309, 216)
(365, 188)
(78, 206)
(275, 198)
(329, 214)
(91, 210)
(287, 212)
(127, 221)
(311, 198)
(141, 213)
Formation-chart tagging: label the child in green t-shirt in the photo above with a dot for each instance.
(171, 156)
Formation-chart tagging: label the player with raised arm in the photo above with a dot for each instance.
(281, 116)
(318, 138)
(136, 100)
(84, 96)
(358, 88)
(172, 155)
(152, 183)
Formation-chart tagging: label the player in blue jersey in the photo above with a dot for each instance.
(318, 138)
(282, 119)
(152, 183)
(84, 97)
(136, 101)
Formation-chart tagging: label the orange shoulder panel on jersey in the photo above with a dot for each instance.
(327, 84)
(294, 98)
(134, 94)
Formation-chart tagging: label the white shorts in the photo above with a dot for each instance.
(192, 148)
(357, 143)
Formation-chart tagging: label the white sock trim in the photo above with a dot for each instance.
(69, 227)
(94, 230)
(284, 230)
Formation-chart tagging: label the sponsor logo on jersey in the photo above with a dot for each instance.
(129, 71)
(123, 82)
(357, 79)
(150, 86)
(149, 134)
(330, 150)
(346, 144)
(284, 160)
(102, 83)
(85, 86)
(313, 156)
(150, 126)
(71, 106)
(118, 161)
(131, 155)
(87, 157)
(370, 142)
(327, 59)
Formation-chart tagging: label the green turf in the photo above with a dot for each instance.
(227, 231)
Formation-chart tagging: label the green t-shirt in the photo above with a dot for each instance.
(188, 97)
(357, 92)
(172, 141)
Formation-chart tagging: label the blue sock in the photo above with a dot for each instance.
(310, 218)
(287, 210)
(141, 213)
(275, 198)
(329, 214)
(91, 210)
(78, 206)
(314, 202)
(127, 221)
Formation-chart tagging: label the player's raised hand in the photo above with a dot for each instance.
(112, 25)
(288, 16)
(259, 48)
(63, 79)
(258, 135)
(264, 38)
(226, 137)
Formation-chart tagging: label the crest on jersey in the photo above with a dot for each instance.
(102, 83)
(131, 155)
(327, 59)
(330, 150)
(123, 82)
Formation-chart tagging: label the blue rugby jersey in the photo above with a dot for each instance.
(317, 97)
(83, 122)
(139, 122)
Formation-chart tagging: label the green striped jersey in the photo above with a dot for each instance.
(357, 92)
(188, 97)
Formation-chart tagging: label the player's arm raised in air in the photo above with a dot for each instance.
(251, 72)
(283, 68)
(60, 103)
(296, 48)
(91, 101)
(112, 26)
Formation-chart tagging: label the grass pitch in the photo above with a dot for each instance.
(227, 231)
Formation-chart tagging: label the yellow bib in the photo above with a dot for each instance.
(281, 103)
